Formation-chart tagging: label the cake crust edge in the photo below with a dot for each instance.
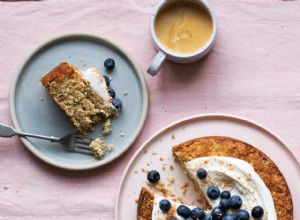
(262, 164)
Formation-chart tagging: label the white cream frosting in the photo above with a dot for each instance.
(98, 84)
(231, 174)
(158, 214)
(236, 176)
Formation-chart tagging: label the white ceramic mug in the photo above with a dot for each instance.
(165, 54)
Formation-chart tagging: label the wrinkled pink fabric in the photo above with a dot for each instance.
(253, 71)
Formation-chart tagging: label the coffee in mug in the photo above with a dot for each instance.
(183, 27)
(183, 31)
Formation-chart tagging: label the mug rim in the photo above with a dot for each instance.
(173, 55)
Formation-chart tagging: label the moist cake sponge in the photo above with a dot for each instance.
(75, 96)
(229, 147)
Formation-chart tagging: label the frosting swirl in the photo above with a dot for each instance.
(236, 176)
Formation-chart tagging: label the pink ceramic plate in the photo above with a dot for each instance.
(155, 154)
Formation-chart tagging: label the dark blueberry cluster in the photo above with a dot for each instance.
(227, 202)
(116, 102)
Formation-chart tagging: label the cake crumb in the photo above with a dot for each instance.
(107, 127)
(41, 99)
(173, 136)
(171, 179)
(171, 167)
(148, 164)
(135, 171)
(180, 199)
(110, 147)
(122, 134)
(145, 151)
(144, 170)
(110, 78)
(163, 168)
(154, 152)
(161, 159)
(184, 188)
(97, 146)
(161, 187)
(125, 93)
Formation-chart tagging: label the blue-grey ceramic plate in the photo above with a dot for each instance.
(33, 110)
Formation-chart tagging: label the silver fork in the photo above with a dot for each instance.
(71, 142)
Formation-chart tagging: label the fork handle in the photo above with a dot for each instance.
(7, 131)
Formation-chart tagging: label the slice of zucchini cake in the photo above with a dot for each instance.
(82, 95)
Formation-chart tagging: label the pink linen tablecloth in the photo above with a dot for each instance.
(253, 71)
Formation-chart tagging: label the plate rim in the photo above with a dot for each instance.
(74, 35)
(186, 119)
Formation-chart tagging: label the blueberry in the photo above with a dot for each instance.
(164, 205)
(208, 217)
(242, 215)
(117, 103)
(184, 211)
(225, 195)
(224, 204)
(213, 192)
(229, 217)
(235, 202)
(112, 93)
(153, 176)
(257, 212)
(217, 213)
(201, 173)
(198, 214)
(109, 63)
(107, 81)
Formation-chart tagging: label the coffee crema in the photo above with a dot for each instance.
(183, 27)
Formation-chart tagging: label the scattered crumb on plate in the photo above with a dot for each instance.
(97, 147)
(107, 127)
(110, 147)
(171, 179)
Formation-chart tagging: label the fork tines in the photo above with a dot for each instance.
(83, 139)
(81, 144)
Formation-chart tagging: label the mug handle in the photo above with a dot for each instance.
(157, 63)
